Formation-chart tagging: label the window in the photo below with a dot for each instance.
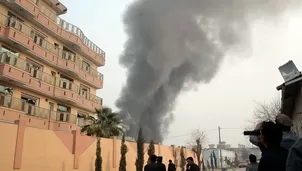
(84, 92)
(5, 95)
(6, 90)
(86, 66)
(9, 50)
(63, 113)
(29, 104)
(81, 119)
(8, 56)
(65, 82)
(68, 54)
(34, 69)
(14, 21)
(53, 73)
(39, 38)
(56, 46)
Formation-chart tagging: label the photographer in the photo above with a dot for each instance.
(273, 155)
(283, 123)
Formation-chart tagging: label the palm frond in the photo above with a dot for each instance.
(106, 124)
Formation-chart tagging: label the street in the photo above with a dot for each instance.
(238, 169)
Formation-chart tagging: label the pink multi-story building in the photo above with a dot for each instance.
(48, 67)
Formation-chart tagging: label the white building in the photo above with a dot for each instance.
(212, 155)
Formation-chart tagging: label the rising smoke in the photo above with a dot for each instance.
(175, 44)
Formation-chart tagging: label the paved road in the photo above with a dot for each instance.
(241, 169)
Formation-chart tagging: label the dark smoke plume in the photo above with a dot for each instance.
(174, 44)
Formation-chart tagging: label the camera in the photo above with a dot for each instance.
(254, 133)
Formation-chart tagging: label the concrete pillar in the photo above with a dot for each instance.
(114, 152)
(76, 151)
(19, 142)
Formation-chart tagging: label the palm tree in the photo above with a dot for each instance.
(106, 124)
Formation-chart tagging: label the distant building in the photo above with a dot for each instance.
(223, 145)
(214, 153)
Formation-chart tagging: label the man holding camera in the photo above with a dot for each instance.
(284, 123)
(273, 155)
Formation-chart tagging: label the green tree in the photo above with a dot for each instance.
(182, 159)
(139, 163)
(105, 125)
(124, 150)
(151, 149)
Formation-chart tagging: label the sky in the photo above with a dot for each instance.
(229, 99)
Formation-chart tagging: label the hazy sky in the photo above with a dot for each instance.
(229, 99)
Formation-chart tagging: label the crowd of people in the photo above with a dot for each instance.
(281, 150)
(156, 164)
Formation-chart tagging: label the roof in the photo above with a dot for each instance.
(290, 90)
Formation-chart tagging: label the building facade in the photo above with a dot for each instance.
(291, 102)
(212, 156)
(48, 67)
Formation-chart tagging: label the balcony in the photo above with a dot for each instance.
(72, 65)
(14, 33)
(64, 31)
(12, 108)
(60, 8)
(65, 117)
(69, 93)
(71, 36)
(15, 71)
(26, 8)
(66, 91)
(20, 35)
(91, 101)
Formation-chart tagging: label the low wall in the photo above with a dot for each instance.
(34, 149)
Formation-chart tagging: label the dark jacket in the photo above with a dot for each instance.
(171, 167)
(193, 167)
(151, 167)
(252, 167)
(161, 167)
(294, 159)
(273, 159)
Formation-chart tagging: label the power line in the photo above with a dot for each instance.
(177, 136)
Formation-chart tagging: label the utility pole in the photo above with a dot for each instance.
(221, 158)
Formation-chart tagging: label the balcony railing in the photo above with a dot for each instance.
(11, 59)
(65, 117)
(75, 30)
(72, 29)
(66, 84)
(29, 109)
(49, 47)
(81, 122)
